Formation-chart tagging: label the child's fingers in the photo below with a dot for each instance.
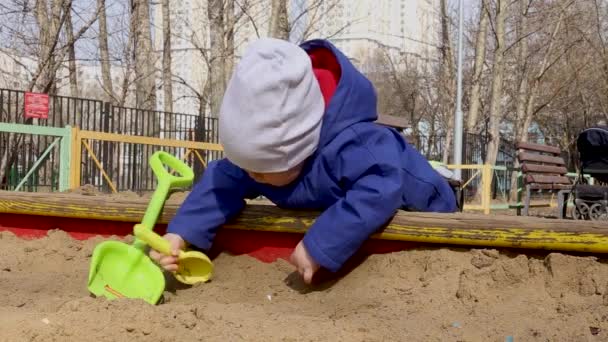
(171, 268)
(307, 275)
(167, 260)
(156, 256)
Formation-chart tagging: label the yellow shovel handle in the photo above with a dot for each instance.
(152, 239)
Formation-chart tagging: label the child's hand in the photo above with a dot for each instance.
(304, 263)
(167, 262)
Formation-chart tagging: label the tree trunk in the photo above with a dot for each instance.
(279, 22)
(108, 89)
(167, 83)
(145, 82)
(106, 71)
(522, 94)
(217, 72)
(129, 59)
(229, 45)
(497, 85)
(448, 81)
(480, 55)
(71, 53)
(48, 28)
(145, 90)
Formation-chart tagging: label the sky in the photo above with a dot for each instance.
(87, 48)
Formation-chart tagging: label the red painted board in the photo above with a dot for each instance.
(264, 246)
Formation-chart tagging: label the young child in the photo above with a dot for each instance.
(297, 126)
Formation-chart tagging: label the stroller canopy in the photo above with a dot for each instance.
(592, 146)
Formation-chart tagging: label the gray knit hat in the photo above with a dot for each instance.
(271, 113)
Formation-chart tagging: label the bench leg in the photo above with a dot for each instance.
(518, 197)
(527, 204)
(562, 202)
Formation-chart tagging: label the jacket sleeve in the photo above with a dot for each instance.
(216, 198)
(373, 194)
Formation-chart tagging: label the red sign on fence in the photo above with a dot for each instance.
(36, 105)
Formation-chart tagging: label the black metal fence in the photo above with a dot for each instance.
(126, 163)
(96, 115)
(474, 152)
(121, 160)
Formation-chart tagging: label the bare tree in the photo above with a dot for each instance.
(447, 80)
(523, 85)
(217, 71)
(529, 88)
(167, 74)
(104, 52)
(398, 83)
(480, 54)
(316, 12)
(50, 27)
(145, 79)
(71, 50)
(230, 22)
(496, 99)
(279, 23)
(50, 54)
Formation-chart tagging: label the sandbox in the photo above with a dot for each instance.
(412, 293)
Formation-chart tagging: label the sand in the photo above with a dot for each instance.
(427, 294)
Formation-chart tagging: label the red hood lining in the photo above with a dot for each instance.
(327, 71)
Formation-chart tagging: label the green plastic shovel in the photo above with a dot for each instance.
(120, 270)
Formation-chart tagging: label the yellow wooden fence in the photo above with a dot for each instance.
(81, 138)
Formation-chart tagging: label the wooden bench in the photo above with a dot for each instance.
(543, 168)
(397, 122)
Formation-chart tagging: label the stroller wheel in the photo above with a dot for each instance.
(581, 211)
(598, 212)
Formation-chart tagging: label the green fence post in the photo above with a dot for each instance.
(65, 150)
(65, 155)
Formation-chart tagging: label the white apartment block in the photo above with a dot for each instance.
(398, 27)
(360, 28)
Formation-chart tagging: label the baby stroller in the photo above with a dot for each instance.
(591, 201)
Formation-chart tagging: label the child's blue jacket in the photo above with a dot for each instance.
(359, 176)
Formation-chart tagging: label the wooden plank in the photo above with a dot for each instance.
(454, 229)
(543, 179)
(150, 141)
(486, 183)
(465, 166)
(393, 121)
(33, 129)
(99, 166)
(266, 217)
(536, 168)
(75, 159)
(458, 229)
(538, 148)
(538, 158)
(550, 187)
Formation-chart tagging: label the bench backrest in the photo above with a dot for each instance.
(542, 166)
